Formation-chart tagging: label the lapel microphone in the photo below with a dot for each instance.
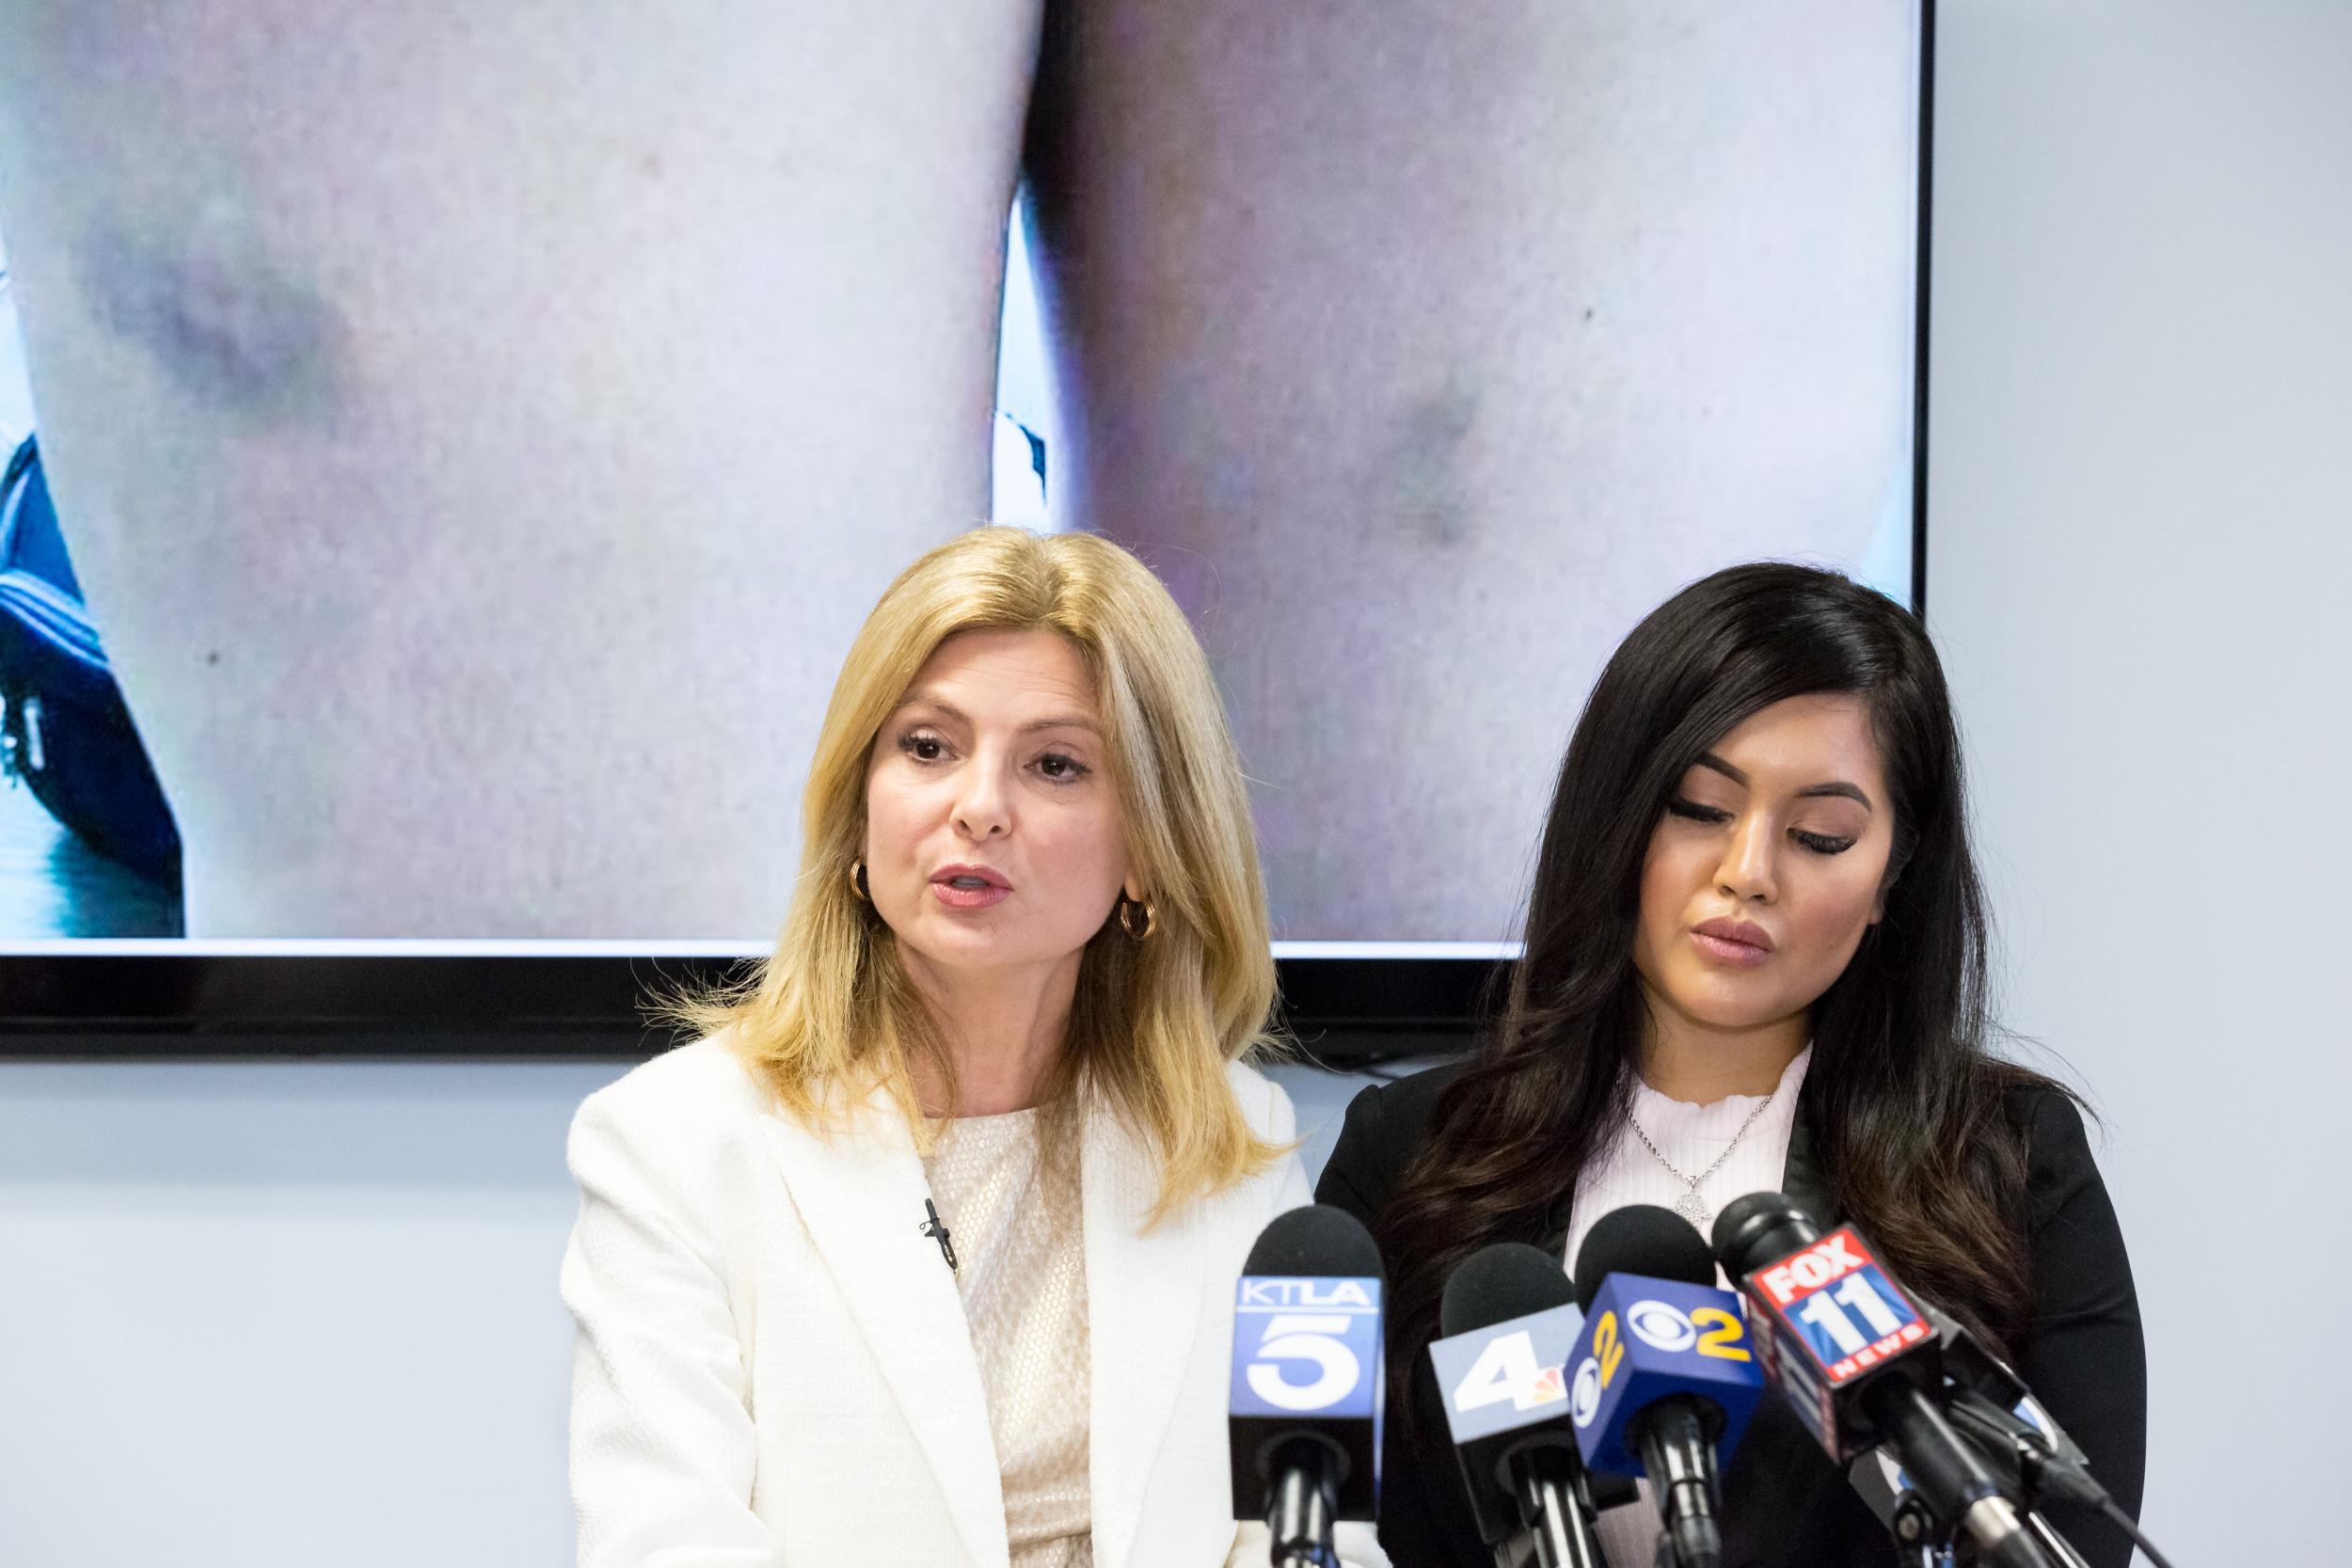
(937, 1230)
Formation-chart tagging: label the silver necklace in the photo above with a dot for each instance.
(1690, 1205)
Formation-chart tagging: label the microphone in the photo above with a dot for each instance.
(2030, 1453)
(1858, 1360)
(1304, 1410)
(1664, 1380)
(1508, 1322)
(1988, 1404)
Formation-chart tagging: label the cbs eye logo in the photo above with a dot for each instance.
(1657, 1324)
(1584, 1399)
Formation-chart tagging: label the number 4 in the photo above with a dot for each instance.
(1505, 1370)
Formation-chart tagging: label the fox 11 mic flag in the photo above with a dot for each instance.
(1825, 1318)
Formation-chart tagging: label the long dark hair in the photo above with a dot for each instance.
(1911, 1117)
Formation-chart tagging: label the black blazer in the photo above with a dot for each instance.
(1784, 1504)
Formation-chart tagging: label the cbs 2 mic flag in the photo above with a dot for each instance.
(1646, 1339)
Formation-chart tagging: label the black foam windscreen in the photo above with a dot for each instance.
(1755, 1229)
(1317, 1240)
(1643, 1239)
(1508, 1279)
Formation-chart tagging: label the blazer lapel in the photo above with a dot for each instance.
(1801, 1175)
(860, 1193)
(1145, 1294)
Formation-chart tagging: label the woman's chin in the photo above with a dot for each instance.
(1720, 1002)
(975, 947)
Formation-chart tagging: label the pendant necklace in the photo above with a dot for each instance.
(1690, 1205)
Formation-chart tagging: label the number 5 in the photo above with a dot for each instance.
(1304, 1337)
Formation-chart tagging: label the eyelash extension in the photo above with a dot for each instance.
(1076, 770)
(1822, 844)
(913, 738)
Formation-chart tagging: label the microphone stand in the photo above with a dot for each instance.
(2059, 1548)
(1299, 1516)
(1555, 1515)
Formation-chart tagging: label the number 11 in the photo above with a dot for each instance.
(1857, 1293)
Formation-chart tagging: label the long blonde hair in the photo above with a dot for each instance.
(1154, 1021)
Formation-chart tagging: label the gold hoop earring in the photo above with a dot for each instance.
(857, 882)
(1151, 921)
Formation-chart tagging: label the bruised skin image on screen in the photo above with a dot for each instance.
(475, 529)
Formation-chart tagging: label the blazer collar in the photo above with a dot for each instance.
(1146, 1293)
(859, 1190)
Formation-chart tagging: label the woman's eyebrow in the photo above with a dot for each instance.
(947, 711)
(1709, 759)
(1837, 787)
(955, 715)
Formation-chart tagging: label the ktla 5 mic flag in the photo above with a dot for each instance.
(1307, 1345)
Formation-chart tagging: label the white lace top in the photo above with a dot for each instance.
(1692, 1136)
(1012, 1207)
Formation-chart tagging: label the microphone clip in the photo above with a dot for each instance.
(937, 1230)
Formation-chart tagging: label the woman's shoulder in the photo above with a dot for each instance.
(1264, 1104)
(1387, 1123)
(2044, 1114)
(2058, 1159)
(694, 1088)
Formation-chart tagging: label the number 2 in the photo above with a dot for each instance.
(1606, 1347)
(1722, 1341)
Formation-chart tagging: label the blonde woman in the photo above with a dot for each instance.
(924, 1253)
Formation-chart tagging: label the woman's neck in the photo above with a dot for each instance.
(1689, 1059)
(1003, 1032)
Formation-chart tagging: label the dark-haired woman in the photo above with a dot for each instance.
(1755, 961)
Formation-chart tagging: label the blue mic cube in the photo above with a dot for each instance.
(1305, 1366)
(1644, 1339)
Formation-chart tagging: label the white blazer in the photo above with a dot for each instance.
(774, 1366)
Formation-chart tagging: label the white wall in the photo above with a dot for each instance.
(303, 1313)
(296, 1314)
(2140, 552)
(299, 1313)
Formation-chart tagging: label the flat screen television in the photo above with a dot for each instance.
(450, 460)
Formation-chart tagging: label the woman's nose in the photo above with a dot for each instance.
(1748, 869)
(983, 808)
